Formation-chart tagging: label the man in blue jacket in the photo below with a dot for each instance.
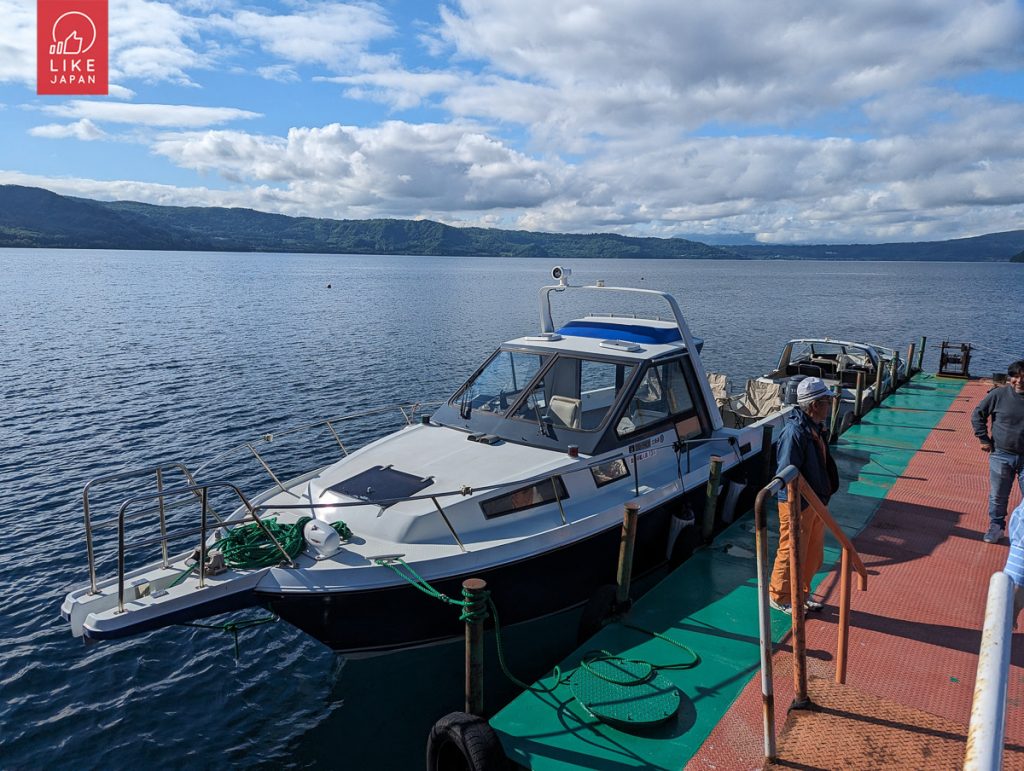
(802, 444)
(1004, 407)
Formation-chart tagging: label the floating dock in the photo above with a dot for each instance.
(914, 500)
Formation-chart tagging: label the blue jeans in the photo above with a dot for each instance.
(1003, 467)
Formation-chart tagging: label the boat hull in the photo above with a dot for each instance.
(383, 620)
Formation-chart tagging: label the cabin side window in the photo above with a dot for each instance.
(525, 498)
(662, 394)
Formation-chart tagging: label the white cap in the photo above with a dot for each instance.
(810, 390)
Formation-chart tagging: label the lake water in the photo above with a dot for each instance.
(120, 359)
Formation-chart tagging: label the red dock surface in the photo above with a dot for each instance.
(914, 635)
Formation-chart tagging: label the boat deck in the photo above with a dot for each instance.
(914, 492)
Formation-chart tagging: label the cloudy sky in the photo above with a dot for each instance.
(793, 120)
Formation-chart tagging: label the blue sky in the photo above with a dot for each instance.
(793, 120)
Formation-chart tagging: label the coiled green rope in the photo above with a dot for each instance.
(249, 546)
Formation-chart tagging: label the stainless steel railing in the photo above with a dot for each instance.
(158, 472)
(203, 492)
(189, 477)
(193, 489)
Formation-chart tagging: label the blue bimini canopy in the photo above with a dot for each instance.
(630, 331)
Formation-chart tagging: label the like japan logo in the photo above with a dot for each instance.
(72, 47)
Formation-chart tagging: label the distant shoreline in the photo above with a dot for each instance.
(33, 218)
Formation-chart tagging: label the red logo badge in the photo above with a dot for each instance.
(71, 41)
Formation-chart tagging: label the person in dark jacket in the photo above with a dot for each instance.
(802, 444)
(1003, 407)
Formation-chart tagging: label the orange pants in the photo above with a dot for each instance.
(812, 545)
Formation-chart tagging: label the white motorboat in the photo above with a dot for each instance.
(837, 362)
(520, 478)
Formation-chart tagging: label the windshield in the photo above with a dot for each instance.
(498, 384)
(575, 393)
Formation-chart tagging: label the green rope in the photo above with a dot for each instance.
(595, 656)
(694, 661)
(405, 571)
(234, 627)
(474, 606)
(183, 575)
(250, 546)
(499, 644)
(651, 669)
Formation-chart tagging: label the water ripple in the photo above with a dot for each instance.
(122, 359)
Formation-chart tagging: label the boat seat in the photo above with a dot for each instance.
(566, 410)
(808, 370)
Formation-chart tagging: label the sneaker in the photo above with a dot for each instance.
(813, 605)
(781, 607)
(995, 532)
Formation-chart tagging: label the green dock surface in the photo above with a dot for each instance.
(710, 605)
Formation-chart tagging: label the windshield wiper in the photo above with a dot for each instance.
(543, 426)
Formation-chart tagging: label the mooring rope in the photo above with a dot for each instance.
(475, 606)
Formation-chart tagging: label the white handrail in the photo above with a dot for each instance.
(988, 710)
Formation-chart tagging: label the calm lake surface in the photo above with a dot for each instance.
(113, 360)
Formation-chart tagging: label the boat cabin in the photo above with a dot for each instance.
(598, 383)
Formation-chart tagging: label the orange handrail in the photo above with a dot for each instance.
(797, 490)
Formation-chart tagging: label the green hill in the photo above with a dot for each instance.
(994, 247)
(33, 217)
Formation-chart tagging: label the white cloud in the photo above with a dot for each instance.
(335, 35)
(153, 41)
(84, 130)
(616, 68)
(163, 115)
(131, 190)
(283, 73)
(794, 119)
(18, 44)
(119, 92)
(397, 168)
(398, 88)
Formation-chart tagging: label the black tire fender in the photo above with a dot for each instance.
(463, 742)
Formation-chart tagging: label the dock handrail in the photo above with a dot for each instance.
(797, 489)
(988, 708)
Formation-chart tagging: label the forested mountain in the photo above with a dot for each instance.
(994, 247)
(33, 217)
